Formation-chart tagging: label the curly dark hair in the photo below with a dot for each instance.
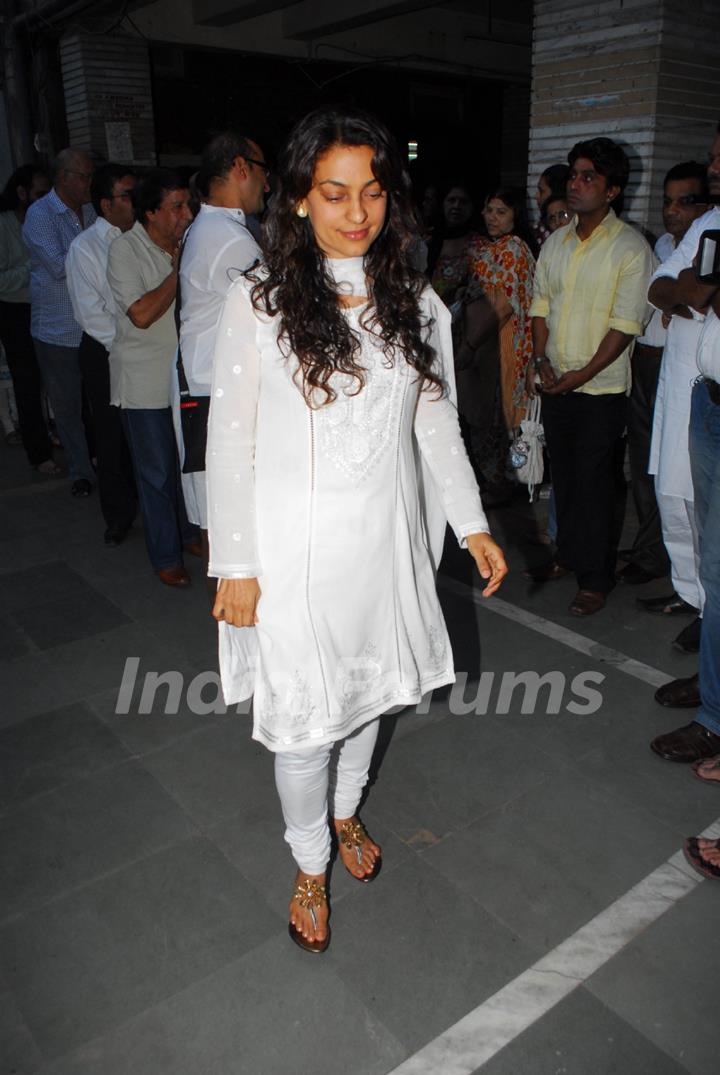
(295, 282)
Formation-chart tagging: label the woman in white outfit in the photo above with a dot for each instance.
(334, 458)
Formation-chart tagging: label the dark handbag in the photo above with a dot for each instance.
(194, 410)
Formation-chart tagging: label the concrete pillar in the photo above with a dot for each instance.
(645, 73)
(514, 135)
(17, 100)
(108, 97)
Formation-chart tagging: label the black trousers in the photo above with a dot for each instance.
(584, 436)
(648, 550)
(116, 483)
(27, 382)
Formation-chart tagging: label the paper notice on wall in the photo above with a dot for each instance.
(119, 142)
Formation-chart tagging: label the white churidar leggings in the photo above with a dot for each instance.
(677, 517)
(311, 782)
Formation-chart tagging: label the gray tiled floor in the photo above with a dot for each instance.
(50, 749)
(144, 879)
(600, 1042)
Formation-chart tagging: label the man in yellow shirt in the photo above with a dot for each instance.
(589, 304)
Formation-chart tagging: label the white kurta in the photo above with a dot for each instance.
(325, 507)
(669, 450)
(217, 248)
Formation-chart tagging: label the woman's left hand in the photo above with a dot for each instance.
(490, 560)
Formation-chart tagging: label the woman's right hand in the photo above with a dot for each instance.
(236, 602)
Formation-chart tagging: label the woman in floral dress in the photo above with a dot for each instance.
(503, 266)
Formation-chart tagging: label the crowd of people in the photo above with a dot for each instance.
(257, 381)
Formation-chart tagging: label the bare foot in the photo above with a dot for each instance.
(357, 851)
(708, 769)
(309, 910)
(709, 850)
(49, 468)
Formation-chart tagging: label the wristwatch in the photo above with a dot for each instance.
(538, 361)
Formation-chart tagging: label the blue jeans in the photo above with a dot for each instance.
(151, 439)
(60, 369)
(705, 464)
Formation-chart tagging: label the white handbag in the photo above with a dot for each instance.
(526, 450)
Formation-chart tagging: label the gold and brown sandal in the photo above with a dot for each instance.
(309, 894)
(352, 835)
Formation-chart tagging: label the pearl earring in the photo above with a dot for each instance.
(301, 211)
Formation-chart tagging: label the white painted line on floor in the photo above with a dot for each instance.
(482, 1033)
(556, 631)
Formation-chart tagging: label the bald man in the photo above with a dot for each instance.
(50, 226)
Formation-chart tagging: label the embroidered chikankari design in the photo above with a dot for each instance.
(356, 430)
(300, 704)
(355, 676)
(296, 708)
(437, 646)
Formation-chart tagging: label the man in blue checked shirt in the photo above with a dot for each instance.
(50, 226)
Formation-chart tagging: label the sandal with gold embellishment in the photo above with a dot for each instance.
(352, 835)
(309, 894)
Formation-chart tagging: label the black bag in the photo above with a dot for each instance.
(194, 410)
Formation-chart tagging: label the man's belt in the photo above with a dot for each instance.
(713, 391)
(647, 350)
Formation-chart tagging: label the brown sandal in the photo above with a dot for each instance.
(309, 894)
(352, 835)
(586, 603)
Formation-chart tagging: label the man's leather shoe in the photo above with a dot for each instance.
(666, 606)
(194, 548)
(548, 573)
(586, 603)
(635, 576)
(81, 487)
(680, 693)
(115, 535)
(690, 743)
(688, 641)
(174, 576)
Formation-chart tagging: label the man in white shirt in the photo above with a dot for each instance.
(704, 854)
(675, 290)
(699, 299)
(701, 738)
(94, 310)
(684, 200)
(218, 247)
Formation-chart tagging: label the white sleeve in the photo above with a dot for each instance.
(437, 431)
(236, 255)
(684, 253)
(231, 441)
(88, 302)
(217, 251)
